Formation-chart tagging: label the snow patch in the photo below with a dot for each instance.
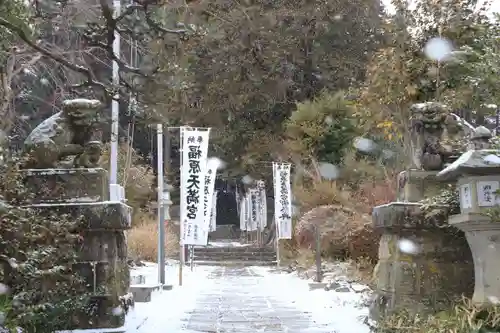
(494, 159)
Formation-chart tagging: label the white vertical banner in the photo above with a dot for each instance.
(276, 199)
(193, 167)
(258, 217)
(213, 213)
(254, 210)
(283, 199)
(247, 211)
(238, 201)
(243, 225)
(208, 189)
(262, 205)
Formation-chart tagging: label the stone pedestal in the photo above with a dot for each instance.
(483, 237)
(66, 185)
(414, 185)
(82, 194)
(439, 270)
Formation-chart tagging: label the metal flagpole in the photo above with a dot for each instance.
(277, 242)
(115, 111)
(181, 223)
(191, 257)
(161, 213)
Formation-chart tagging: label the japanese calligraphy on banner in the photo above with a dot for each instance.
(248, 213)
(208, 188)
(253, 210)
(193, 168)
(213, 213)
(262, 205)
(282, 199)
(243, 221)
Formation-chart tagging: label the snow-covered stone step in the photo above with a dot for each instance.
(240, 263)
(97, 330)
(142, 293)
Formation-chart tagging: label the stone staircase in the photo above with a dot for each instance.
(230, 255)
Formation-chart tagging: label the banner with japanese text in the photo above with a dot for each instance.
(253, 223)
(193, 168)
(261, 185)
(282, 199)
(243, 225)
(209, 184)
(213, 213)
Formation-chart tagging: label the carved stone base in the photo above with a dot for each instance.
(415, 185)
(82, 195)
(66, 185)
(436, 271)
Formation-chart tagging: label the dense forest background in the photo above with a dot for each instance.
(275, 80)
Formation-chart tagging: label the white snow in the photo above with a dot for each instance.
(82, 103)
(340, 311)
(462, 159)
(168, 311)
(167, 308)
(224, 244)
(494, 159)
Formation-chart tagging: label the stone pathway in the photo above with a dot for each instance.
(240, 302)
(244, 299)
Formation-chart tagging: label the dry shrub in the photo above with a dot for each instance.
(361, 270)
(342, 208)
(369, 195)
(344, 232)
(463, 318)
(320, 193)
(137, 178)
(143, 239)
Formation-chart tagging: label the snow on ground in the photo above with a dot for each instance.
(226, 244)
(343, 311)
(166, 310)
(170, 311)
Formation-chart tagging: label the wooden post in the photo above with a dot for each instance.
(318, 254)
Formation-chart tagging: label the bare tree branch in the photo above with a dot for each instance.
(7, 75)
(77, 68)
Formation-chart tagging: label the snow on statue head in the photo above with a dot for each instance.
(70, 133)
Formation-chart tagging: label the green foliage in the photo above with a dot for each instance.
(256, 61)
(448, 197)
(15, 12)
(482, 64)
(400, 74)
(321, 128)
(37, 252)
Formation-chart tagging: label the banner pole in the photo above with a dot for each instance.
(181, 222)
(161, 212)
(278, 259)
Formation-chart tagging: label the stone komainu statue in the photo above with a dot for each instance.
(70, 132)
(432, 126)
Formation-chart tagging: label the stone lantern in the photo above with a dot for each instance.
(477, 175)
(437, 268)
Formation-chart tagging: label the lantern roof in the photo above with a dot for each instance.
(481, 162)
